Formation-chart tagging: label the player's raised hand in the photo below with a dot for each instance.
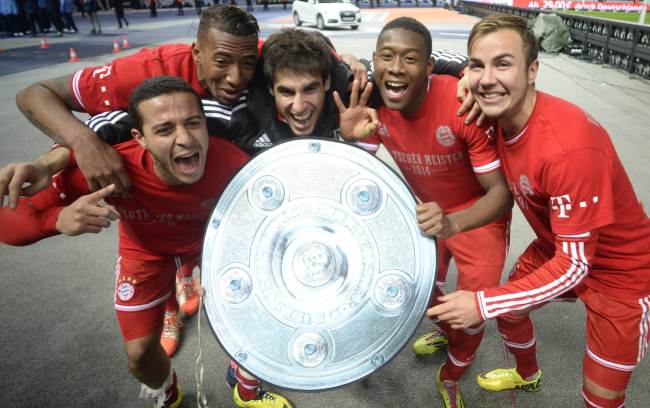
(88, 213)
(457, 308)
(357, 121)
(469, 103)
(15, 176)
(102, 166)
(433, 221)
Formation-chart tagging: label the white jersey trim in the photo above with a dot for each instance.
(644, 327)
(75, 88)
(486, 168)
(135, 308)
(497, 305)
(610, 364)
(97, 121)
(516, 138)
(583, 235)
(368, 146)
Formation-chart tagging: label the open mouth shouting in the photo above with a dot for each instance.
(188, 164)
(395, 90)
(302, 123)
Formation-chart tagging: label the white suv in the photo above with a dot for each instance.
(326, 13)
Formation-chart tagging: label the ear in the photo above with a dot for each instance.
(271, 92)
(430, 63)
(532, 72)
(196, 53)
(139, 137)
(328, 81)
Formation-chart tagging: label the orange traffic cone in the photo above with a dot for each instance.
(73, 55)
(125, 42)
(44, 43)
(116, 47)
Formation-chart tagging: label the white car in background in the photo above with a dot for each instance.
(326, 13)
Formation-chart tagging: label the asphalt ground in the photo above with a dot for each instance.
(60, 344)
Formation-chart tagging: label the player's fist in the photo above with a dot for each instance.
(433, 221)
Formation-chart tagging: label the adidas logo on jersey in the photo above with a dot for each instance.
(263, 141)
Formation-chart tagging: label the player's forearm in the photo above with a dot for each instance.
(496, 202)
(55, 160)
(569, 265)
(50, 112)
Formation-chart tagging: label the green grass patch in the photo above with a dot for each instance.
(611, 15)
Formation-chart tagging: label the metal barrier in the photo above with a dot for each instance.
(619, 44)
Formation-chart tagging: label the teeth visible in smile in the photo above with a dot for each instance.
(301, 117)
(492, 94)
(391, 84)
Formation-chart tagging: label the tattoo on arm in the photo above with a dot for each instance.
(62, 85)
(51, 133)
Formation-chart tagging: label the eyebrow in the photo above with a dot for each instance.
(283, 88)
(498, 57)
(401, 51)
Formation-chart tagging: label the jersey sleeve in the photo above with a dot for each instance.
(108, 87)
(112, 127)
(579, 185)
(481, 149)
(26, 225)
(371, 143)
(569, 265)
(35, 217)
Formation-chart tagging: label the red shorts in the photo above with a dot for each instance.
(141, 290)
(479, 255)
(617, 330)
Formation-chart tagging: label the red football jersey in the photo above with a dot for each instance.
(570, 185)
(158, 220)
(108, 87)
(435, 150)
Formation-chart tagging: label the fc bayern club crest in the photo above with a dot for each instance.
(125, 291)
(445, 136)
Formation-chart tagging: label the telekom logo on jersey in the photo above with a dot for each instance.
(562, 203)
(103, 71)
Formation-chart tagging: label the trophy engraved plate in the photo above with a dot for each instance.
(315, 270)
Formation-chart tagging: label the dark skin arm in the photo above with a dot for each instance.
(48, 105)
(496, 201)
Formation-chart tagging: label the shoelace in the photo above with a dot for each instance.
(171, 326)
(265, 396)
(185, 291)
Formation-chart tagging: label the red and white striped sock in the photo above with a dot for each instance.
(248, 388)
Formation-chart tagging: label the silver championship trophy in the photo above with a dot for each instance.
(315, 270)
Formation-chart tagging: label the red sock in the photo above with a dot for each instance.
(460, 352)
(171, 392)
(171, 304)
(451, 371)
(593, 401)
(517, 332)
(248, 389)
